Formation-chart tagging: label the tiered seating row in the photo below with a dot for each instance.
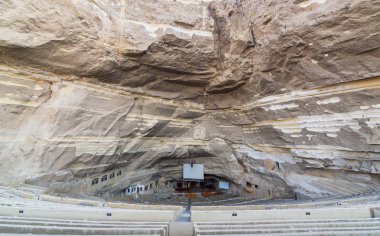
(22, 225)
(37, 193)
(344, 188)
(83, 213)
(288, 214)
(365, 226)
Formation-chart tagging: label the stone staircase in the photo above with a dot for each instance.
(42, 226)
(363, 226)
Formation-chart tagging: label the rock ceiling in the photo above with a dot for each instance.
(89, 86)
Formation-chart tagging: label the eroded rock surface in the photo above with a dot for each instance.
(281, 94)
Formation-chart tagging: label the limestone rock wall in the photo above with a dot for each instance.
(282, 94)
(312, 100)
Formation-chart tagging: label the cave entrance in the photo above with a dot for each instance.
(192, 177)
(210, 184)
(190, 186)
(195, 183)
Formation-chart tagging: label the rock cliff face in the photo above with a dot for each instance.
(281, 94)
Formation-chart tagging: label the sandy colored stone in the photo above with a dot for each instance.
(87, 87)
(269, 164)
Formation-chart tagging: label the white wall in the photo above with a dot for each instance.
(194, 172)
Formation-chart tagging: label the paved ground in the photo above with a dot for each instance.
(181, 229)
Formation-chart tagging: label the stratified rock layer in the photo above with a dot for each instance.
(281, 94)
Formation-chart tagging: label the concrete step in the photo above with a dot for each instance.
(1, 234)
(321, 233)
(289, 221)
(356, 187)
(32, 229)
(32, 189)
(338, 187)
(284, 226)
(31, 219)
(181, 229)
(89, 213)
(326, 188)
(83, 224)
(362, 188)
(272, 231)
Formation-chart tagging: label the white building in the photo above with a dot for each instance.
(140, 188)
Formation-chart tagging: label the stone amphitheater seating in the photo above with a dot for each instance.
(29, 211)
(283, 214)
(344, 188)
(370, 199)
(234, 220)
(364, 226)
(25, 225)
(32, 189)
(90, 214)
